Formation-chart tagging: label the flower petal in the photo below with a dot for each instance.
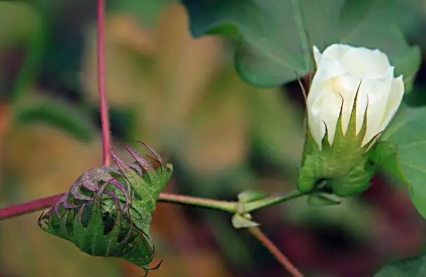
(317, 55)
(328, 69)
(336, 51)
(346, 86)
(366, 63)
(316, 128)
(325, 109)
(394, 101)
(378, 91)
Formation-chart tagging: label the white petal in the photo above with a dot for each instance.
(328, 70)
(336, 51)
(325, 109)
(346, 87)
(378, 92)
(394, 101)
(317, 56)
(366, 63)
(361, 107)
(316, 128)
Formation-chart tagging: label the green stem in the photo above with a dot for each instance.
(44, 203)
(270, 201)
(226, 206)
(331, 198)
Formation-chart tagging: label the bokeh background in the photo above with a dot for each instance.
(183, 97)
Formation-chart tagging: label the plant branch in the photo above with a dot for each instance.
(226, 206)
(106, 138)
(29, 207)
(270, 201)
(44, 203)
(256, 232)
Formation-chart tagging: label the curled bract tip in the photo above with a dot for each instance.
(148, 269)
(158, 158)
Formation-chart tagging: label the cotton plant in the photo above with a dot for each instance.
(356, 124)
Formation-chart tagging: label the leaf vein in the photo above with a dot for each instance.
(413, 144)
(396, 128)
(423, 170)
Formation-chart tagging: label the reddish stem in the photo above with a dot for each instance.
(29, 207)
(106, 143)
(43, 203)
(255, 231)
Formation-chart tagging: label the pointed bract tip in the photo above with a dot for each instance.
(143, 162)
(148, 269)
(120, 163)
(157, 156)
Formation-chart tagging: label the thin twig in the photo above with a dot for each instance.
(29, 207)
(271, 201)
(255, 231)
(44, 203)
(225, 206)
(182, 238)
(106, 139)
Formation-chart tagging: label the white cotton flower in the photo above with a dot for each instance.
(341, 70)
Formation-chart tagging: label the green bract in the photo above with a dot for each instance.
(107, 211)
(344, 165)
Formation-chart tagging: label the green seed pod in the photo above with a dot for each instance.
(107, 211)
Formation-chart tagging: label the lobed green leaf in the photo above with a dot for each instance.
(276, 36)
(402, 152)
(411, 267)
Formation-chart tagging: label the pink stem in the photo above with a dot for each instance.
(40, 204)
(283, 260)
(43, 203)
(29, 207)
(106, 143)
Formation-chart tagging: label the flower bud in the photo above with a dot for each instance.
(107, 211)
(353, 97)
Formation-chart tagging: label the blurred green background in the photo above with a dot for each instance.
(183, 97)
